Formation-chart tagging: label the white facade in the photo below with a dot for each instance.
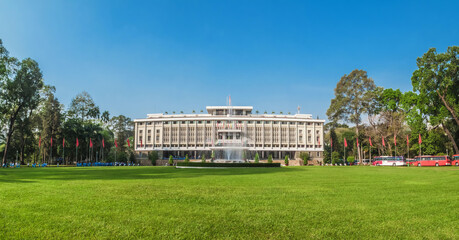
(227, 127)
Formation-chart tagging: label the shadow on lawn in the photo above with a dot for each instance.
(31, 175)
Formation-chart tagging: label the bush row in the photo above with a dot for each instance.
(200, 164)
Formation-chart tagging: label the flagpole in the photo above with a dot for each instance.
(344, 150)
(63, 152)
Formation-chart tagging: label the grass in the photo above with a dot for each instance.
(292, 202)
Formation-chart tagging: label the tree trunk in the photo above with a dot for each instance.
(358, 145)
(10, 133)
(450, 138)
(450, 109)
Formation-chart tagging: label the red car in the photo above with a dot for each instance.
(424, 161)
(455, 160)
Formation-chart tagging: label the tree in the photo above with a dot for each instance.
(187, 160)
(83, 107)
(20, 93)
(105, 117)
(171, 160)
(286, 160)
(257, 158)
(212, 157)
(350, 159)
(335, 158)
(257, 112)
(438, 78)
(353, 94)
(270, 158)
(203, 158)
(153, 156)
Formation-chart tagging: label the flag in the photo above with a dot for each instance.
(116, 144)
(345, 142)
(371, 144)
(63, 142)
(129, 143)
(357, 142)
(395, 140)
(383, 143)
(420, 139)
(318, 140)
(39, 142)
(407, 140)
(77, 143)
(230, 100)
(331, 142)
(141, 142)
(51, 141)
(90, 143)
(103, 143)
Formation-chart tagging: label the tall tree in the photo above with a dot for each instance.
(438, 78)
(353, 94)
(20, 93)
(83, 107)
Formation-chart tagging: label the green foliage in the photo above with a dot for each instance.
(270, 158)
(171, 160)
(327, 157)
(286, 160)
(203, 158)
(244, 155)
(153, 157)
(187, 159)
(257, 158)
(228, 165)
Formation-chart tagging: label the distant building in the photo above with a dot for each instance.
(230, 127)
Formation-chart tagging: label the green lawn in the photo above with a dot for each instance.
(292, 202)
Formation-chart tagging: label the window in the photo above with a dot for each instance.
(140, 131)
(267, 122)
(140, 124)
(157, 130)
(318, 154)
(199, 122)
(191, 121)
(149, 131)
(208, 122)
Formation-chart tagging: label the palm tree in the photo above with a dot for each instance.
(202, 111)
(181, 112)
(289, 113)
(266, 112)
(173, 112)
(281, 112)
(272, 112)
(257, 112)
(193, 111)
(166, 113)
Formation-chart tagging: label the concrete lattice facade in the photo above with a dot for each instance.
(228, 126)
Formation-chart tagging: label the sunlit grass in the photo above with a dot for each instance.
(293, 202)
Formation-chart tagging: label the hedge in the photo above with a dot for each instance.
(200, 164)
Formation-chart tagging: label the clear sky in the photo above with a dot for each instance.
(139, 57)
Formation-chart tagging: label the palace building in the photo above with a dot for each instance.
(224, 128)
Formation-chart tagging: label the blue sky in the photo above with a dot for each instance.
(139, 57)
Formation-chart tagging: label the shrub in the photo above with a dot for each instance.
(171, 160)
(257, 158)
(203, 158)
(305, 157)
(196, 164)
(153, 156)
(187, 159)
(212, 157)
(350, 159)
(270, 158)
(286, 160)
